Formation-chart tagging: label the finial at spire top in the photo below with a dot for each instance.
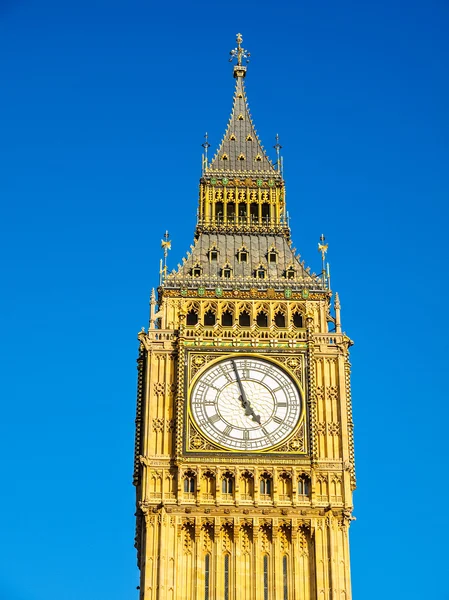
(239, 53)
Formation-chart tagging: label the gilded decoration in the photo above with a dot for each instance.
(196, 441)
(240, 293)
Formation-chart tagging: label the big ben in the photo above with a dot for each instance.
(244, 460)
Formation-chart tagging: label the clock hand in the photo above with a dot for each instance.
(245, 402)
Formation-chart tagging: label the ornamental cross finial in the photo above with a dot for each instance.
(239, 52)
(322, 247)
(166, 246)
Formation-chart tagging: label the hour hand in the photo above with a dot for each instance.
(249, 410)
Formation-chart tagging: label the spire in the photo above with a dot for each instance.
(240, 150)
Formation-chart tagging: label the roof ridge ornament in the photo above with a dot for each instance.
(239, 53)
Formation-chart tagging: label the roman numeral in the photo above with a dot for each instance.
(278, 420)
(246, 435)
(228, 430)
(214, 419)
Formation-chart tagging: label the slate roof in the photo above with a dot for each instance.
(228, 246)
(241, 127)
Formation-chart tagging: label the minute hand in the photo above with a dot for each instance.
(245, 402)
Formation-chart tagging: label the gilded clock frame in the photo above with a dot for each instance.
(296, 443)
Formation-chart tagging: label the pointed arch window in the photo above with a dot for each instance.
(246, 486)
(244, 319)
(258, 158)
(209, 318)
(227, 484)
(266, 484)
(189, 483)
(262, 319)
(232, 137)
(224, 157)
(249, 138)
(298, 320)
(192, 317)
(241, 157)
(303, 486)
(279, 319)
(241, 117)
(227, 318)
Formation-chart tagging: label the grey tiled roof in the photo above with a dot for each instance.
(241, 126)
(228, 245)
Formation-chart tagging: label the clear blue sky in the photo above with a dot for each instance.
(103, 108)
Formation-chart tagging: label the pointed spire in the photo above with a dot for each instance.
(240, 150)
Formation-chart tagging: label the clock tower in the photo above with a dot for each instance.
(244, 461)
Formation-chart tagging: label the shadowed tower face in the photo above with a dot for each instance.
(244, 465)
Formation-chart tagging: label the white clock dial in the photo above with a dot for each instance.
(245, 404)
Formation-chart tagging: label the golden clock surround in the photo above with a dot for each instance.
(192, 431)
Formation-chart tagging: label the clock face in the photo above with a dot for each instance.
(245, 404)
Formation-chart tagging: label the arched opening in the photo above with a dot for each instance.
(265, 486)
(246, 487)
(227, 484)
(209, 318)
(262, 319)
(189, 483)
(279, 319)
(208, 486)
(192, 317)
(244, 319)
(227, 318)
(285, 487)
(297, 320)
(303, 486)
